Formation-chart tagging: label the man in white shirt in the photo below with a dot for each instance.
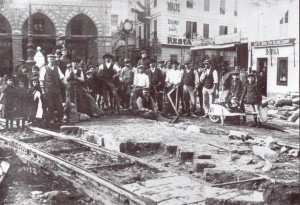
(51, 79)
(140, 81)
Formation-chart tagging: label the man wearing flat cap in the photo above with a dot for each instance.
(51, 79)
(107, 72)
(144, 60)
(126, 77)
(209, 78)
(21, 62)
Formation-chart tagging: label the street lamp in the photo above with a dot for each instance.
(30, 51)
(127, 28)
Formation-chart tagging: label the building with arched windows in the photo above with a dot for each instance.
(85, 25)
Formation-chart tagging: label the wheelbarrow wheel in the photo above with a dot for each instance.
(213, 118)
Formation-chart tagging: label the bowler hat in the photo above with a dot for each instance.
(107, 55)
(251, 75)
(207, 61)
(51, 56)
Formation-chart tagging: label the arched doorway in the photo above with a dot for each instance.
(43, 34)
(6, 57)
(81, 40)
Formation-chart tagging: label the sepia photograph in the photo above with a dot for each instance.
(149, 102)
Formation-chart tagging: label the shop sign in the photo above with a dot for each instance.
(230, 38)
(264, 43)
(272, 51)
(203, 42)
(173, 28)
(173, 7)
(277, 42)
(179, 41)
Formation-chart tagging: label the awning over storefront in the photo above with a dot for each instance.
(213, 47)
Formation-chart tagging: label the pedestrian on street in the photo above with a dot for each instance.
(252, 97)
(236, 89)
(209, 78)
(146, 105)
(200, 69)
(190, 83)
(224, 84)
(51, 79)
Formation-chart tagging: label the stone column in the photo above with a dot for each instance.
(16, 49)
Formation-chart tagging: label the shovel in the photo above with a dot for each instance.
(172, 103)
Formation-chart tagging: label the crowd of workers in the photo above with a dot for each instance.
(62, 88)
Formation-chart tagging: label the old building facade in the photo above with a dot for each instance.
(86, 27)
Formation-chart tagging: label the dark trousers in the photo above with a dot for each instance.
(54, 103)
(157, 94)
(200, 93)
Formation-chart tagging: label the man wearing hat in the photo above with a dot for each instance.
(61, 42)
(21, 63)
(140, 81)
(107, 72)
(156, 82)
(126, 78)
(200, 69)
(146, 105)
(224, 84)
(64, 59)
(144, 60)
(51, 79)
(209, 78)
(190, 81)
(236, 87)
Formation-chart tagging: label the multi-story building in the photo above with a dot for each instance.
(86, 26)
(273, 35)
(177, 25)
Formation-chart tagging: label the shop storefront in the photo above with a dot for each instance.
(279, 59)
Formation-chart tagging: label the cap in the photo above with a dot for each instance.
(51, 56)
(162, 62)
(34, 78)
(88, 72)
(143, 51)
(107, 55)
(235, 72)
(58, 51)
(207, 61)
(64, 49)
(152, 60)
(21, 60)
(76, 60)
(141, 67)
(8, 77)
(92, 66)
(126, 60)
(186, 62)
(169, 61)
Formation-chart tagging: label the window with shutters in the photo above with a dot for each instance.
(206, 5)
(206, 30)
(191, 30)
(222, 6)
(223, 30)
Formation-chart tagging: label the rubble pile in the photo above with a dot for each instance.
(284, 108)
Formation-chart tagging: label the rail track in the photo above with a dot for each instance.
(101, 173)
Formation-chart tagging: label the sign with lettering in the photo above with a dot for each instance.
(179, 41)
(277, 42)
(230, 38)
(173, 28)
(173, 7)
(264, 43)
(272, 51)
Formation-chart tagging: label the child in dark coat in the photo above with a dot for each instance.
(236, 89)
(9, 97)
(22, 106)
(253, 97)
(35, 101)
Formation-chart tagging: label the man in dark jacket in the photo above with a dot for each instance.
(156, 83)
(146, 105)
(144, 60)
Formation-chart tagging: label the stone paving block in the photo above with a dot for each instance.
(111, 142)
(170, 148)
(241, 197)
(172, 201)
(203, 156)
(92, 137)
(201, 164)
(70, 130)
(185, 154)
(133, 187)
